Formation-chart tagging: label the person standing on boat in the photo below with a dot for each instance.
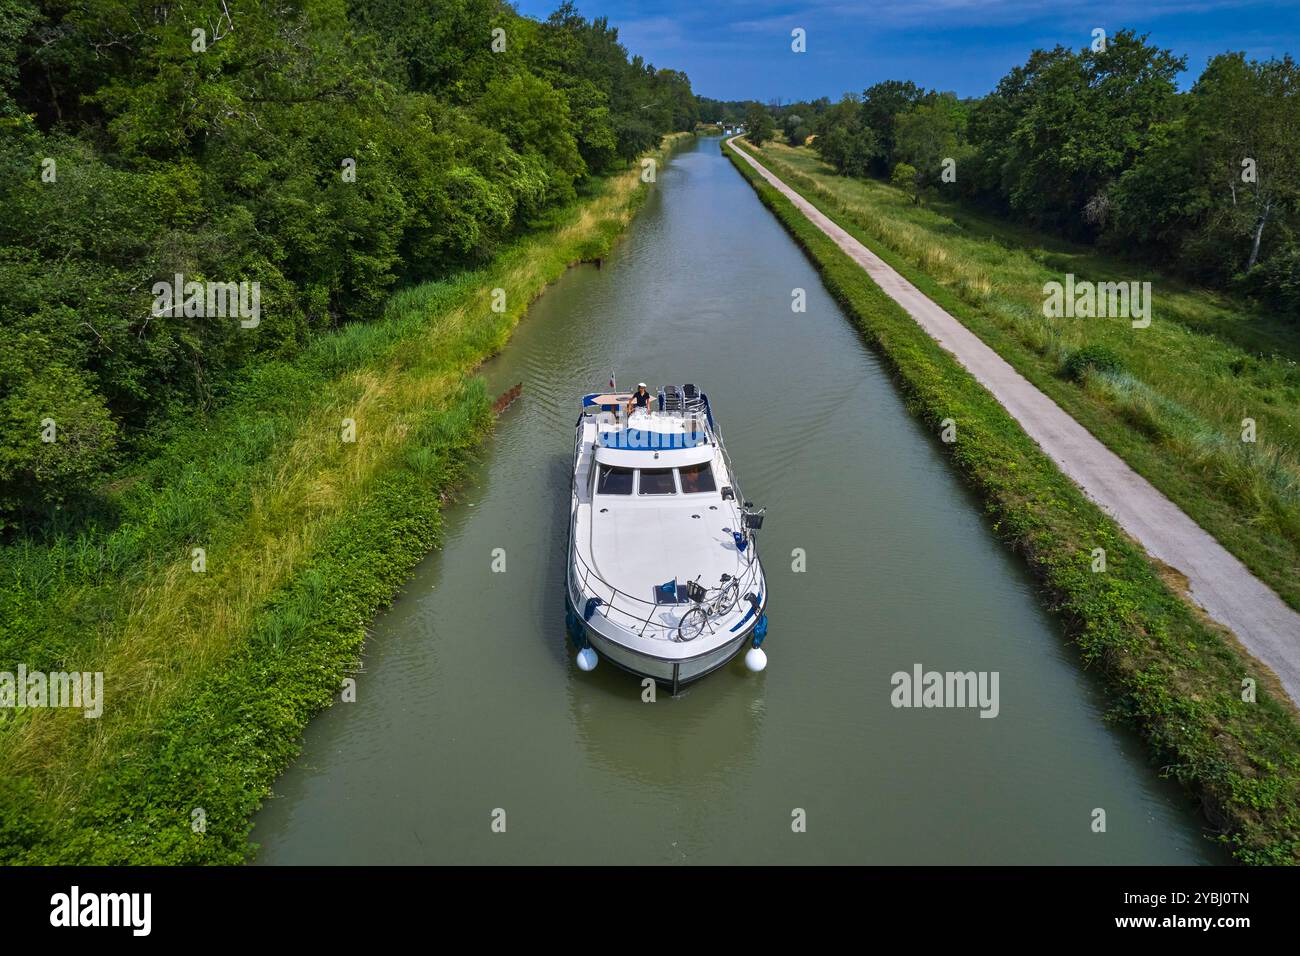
(640, 399)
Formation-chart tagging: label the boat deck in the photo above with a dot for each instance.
(627, 545)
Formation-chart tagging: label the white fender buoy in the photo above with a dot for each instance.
(756, 659)
(587, 659)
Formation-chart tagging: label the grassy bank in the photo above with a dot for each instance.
(210, 677)
(1177, 678)
(1169, 399)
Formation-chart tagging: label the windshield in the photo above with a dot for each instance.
(614, 481)
(696, 478)
(657, 481)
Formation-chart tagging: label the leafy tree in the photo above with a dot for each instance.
(758, 124)
(844, 141)
(1217, 191)
(926, 135)
(1248, 116)
(1059, 131)
(882, 104)
(16, 19)
(534, 118)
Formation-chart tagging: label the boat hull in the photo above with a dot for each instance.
(675, 673)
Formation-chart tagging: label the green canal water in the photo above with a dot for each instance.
(470, 710)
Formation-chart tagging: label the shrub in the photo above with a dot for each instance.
(1275, 283)
(56, 436)
(1098, 358)
(904, 178)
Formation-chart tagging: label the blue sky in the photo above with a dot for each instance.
(740, 49)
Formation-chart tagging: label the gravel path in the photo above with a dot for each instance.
(1218, 582)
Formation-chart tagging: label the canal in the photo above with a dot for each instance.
(470, 710)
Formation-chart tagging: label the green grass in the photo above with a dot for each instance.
(1174, 676)
(210, 678)
(1172, 408)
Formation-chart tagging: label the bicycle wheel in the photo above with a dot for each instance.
(727, 598)
(692, 624)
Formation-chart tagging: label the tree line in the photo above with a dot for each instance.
(328, 151)
(1099, 145)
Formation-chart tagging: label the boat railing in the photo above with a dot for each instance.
(731, 472)
(637, 610)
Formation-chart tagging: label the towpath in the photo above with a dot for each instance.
(1218, 582)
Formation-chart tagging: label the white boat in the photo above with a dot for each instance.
(664, 578)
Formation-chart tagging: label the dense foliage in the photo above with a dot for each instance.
(724, 112)
(213, 676)
(1099, 145)
(327, 151)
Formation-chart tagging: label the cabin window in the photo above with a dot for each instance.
(696, 478)
(614, 481)
(657, 481)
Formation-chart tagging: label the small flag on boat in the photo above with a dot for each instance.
(611, 380)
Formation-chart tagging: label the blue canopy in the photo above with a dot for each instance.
(640, 439)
